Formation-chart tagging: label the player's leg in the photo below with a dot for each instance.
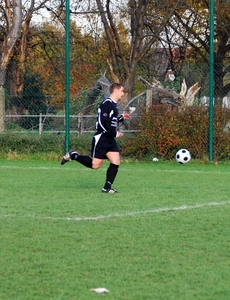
(111, 173)
(114, 157)
(97, 163)
(82, 159)
(87, 161)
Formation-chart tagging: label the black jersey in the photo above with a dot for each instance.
(107, 118)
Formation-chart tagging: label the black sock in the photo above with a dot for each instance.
(82, 159)
(111, 175)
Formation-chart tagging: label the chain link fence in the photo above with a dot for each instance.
(35, 111)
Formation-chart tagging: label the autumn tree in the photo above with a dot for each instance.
(19, 51)
(47, 52)
(40, 49)
(16, 18)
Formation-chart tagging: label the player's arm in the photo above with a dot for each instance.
(123, 116)
(120, 118)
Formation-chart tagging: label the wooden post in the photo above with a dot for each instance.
(148, 98)
(40, 124)
(80, 123)
(2, 109)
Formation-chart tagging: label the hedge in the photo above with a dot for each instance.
(163, 131)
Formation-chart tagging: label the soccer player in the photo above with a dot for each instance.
(104, 145)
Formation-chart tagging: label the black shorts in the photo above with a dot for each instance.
(101, 144)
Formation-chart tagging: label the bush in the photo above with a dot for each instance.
(163, 131)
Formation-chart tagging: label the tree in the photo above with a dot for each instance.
(16, 19)
(47, 52)
(20, 51)
(10, 33)
(189, 27)
(130, 19)
(179, 25)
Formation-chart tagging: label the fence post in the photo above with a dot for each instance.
(80, 123)
(2, 109)
(40, 124)
(148, 98)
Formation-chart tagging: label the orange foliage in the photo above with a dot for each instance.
(164, 131)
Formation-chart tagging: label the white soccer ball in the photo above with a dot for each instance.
(183, 156)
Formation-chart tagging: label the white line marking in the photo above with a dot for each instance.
(128, 214)
(41, 168)
(123, 169)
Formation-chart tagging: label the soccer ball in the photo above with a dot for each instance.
(183, 156)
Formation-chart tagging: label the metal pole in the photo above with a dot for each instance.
(67, 75)
(211, 79)
(2, 109)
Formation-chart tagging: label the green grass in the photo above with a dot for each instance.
(165, 235)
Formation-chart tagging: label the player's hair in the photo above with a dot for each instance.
(114, 86)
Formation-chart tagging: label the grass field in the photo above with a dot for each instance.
(165, 235)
